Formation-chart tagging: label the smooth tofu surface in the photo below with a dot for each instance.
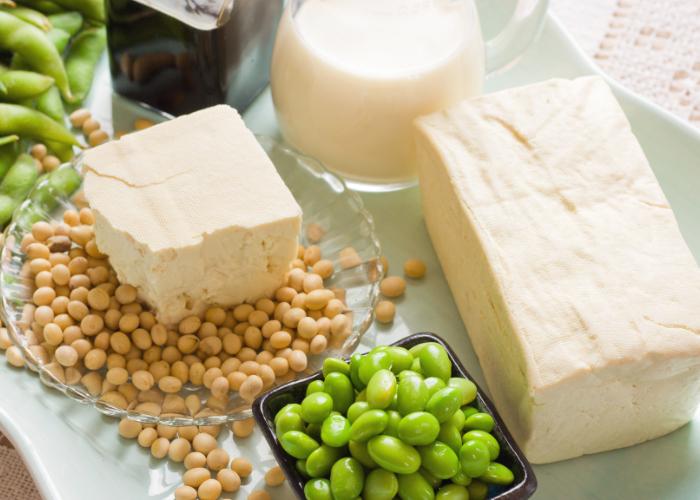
(192, 211)
(577, 289)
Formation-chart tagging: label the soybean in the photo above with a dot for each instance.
(380, 485)
(347, 479)
(414, 486)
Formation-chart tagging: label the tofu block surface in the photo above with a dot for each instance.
(192, 212)
(579, 294)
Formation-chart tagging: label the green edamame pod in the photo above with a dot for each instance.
(19, 85)
(92, 9)
(63, 151)
(347, 479)
(83, 55)
(8, 155)
(415, 487)
(8, 139)
(51, 104)
(7, 208)
(25, 122)
(31, 16)
(56, 36)
(20, 178)
(35, 48)
(45, 6)
(380, 485)
(70, 22)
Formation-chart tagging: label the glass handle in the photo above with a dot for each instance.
(520, 30)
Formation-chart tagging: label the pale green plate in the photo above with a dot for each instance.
(75, 454)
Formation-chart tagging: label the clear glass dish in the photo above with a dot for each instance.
(326, 203)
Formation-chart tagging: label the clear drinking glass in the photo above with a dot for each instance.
(349, 77)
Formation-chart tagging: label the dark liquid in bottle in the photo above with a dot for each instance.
(161, 61)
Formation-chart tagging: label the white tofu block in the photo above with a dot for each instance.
(192, 212)
(579, 294)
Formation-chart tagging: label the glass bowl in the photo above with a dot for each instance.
(266, 407)
(329, 208)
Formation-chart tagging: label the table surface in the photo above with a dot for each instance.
(79, 455)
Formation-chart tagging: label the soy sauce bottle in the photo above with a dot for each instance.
(182, 55)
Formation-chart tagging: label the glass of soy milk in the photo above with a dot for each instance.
(349, 77)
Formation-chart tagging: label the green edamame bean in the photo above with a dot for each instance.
(411, 395)
(31, 16)
(356, 409)
(450, 436)
(315, 386)
(320, 461)
(497, 474)
(25, 122)
(444, 403)
(370, 423)
(480, 421)
(483, 436)
(20, 178)
(298, 444)
(461, 478)
(415, 366)
(354, 371)
(452, 492)
(433, 480)
(318, 489)
(335, 430)
(340, 388)
(409, 373)
(401, 359)
(7, 208)
(70, 22)
(331, 365)
(45, 6)
(413, 486)
(380, 485)
(289, 421)
(316, 407)
(92, 9)
(301, 468)
(392, 427)
(20, 84)
(419, 428)
(8, 154)
(51, 104)
(347, 479)
(477, 490)
(469, 411)
(466, 387)
(35, 48)
(293, 407)
(362, 395)
(371, 363)
(434, 384)
(439, 459)
(82, 58)
(457, 419)
(435, 362)
(416, 349)
(314, 430)
(381, 389)
(393, 455)
(474, 457)
(359, 452)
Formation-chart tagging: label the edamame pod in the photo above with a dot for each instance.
(20, 178)
(19, 85)
(320, 461)
(318, 489)
(298, 444)
(380, 485)
(51, 104)
(70, 22)
(56, 36)
(45, 6)
(31, 16)
(381, 389)
(347, 479)
(8, 139)
(63, 151)
(25, 122)
(83, 55)
(415, 487)
(393, 455)
(8, 154)
(7, 207)
(339, 386)
(92, 9)
(497, 474)
(35, 48)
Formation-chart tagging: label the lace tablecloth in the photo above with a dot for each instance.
(651, 46)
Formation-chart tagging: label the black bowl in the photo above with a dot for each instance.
(267, 405)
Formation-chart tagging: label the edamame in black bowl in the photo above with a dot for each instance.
(404, 420)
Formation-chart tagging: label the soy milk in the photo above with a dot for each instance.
(349, 77)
